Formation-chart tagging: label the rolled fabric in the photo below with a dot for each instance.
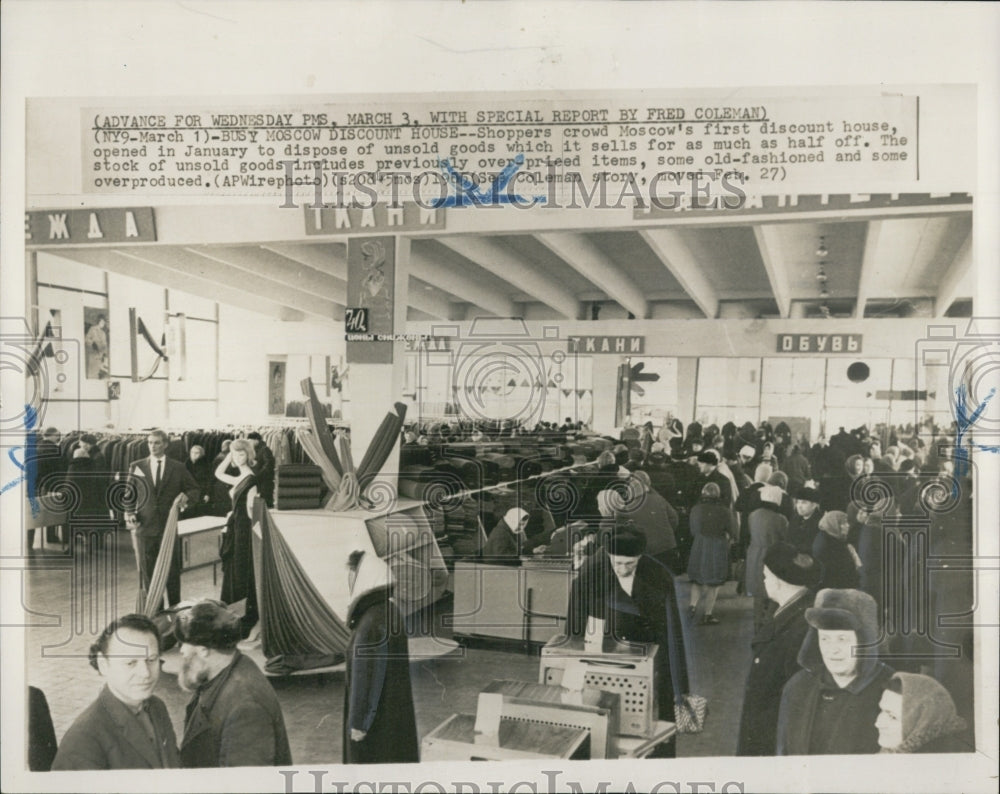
(378, 451)
(317, 420)
(150, 603)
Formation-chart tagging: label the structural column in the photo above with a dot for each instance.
(378, 273)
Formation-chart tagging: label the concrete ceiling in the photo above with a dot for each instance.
(918, 264)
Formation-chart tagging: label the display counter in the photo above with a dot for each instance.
(523, 603)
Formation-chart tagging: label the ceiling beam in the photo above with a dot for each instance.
(769, 244)
(321, 257)
(128, 262)
(683, 266)
(461, 285)
(587, 259)
(260, 263)
(523, 277)
(430, 302)
(954, 278)
(192, 263)
(326, 259)
(869, 264)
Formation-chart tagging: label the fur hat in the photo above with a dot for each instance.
(625, 542)
(792, 566)
(709, 456)
(845, 610)
(210, 624)
(807, 494)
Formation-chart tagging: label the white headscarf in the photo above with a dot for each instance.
(512, 518)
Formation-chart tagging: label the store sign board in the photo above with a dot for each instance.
(371, 269)
(83, 227)
(406, 217)
(819, 343)
(607, 344)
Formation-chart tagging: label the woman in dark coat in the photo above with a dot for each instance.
(713, 526)
(837, 557)
(635, 596)
(200, 469)
(380, 725)
(89, 480)
(237, 541)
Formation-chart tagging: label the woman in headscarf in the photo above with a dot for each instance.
(507, 540)
(380, 725)
(714, 527)
(917, 715)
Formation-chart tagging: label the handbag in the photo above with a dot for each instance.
(689, 713)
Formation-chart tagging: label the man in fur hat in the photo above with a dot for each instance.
(804, 525)
(234, 718)
(635, 597)
(830, 706)
(789, 579)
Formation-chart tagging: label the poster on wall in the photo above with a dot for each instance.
(95, 337)
(276, 388)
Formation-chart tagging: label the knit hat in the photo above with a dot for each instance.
(210, 624)
(625, 543)
(807, 494)
(835, 524)
(792, 566)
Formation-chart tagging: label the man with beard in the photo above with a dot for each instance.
(234, 718)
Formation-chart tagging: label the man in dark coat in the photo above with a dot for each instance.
(653, 516)
(158, 480)
(44, 465)
(830, 706)
(380, 724)
(789, 577)
(234, 718)
(127, 727)
(635, 596)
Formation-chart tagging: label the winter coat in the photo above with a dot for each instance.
(650, 614)
(802, 531)
(235, 720)
(818, 717)
(767, 527)
(713, 525)
(775, 660)
(378, 697)
(108, 735)
(655, 518)
(837, 562)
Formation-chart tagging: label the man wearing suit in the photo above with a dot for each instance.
(127, 727)
(163, 480)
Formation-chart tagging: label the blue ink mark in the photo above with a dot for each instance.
(469, 194)
(28, 467)
(963, 423)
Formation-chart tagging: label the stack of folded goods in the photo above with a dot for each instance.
(298, 486)
(470, 470)
(504, 464)
(414, 455)
(414, 481)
